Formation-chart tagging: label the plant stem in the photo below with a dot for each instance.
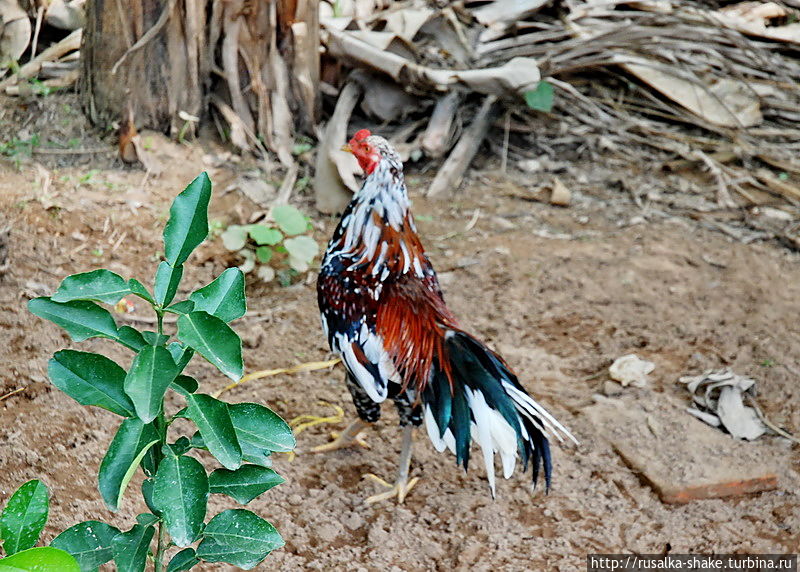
(160, 321)
(159, 563)
(161, 425)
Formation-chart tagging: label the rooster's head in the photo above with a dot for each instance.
(369, 150)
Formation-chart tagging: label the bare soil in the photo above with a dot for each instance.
(560, 292)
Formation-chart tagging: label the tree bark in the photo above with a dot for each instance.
(153, 59)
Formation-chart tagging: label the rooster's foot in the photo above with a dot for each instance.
(341, 441)
(400, 489)
(303, 422)
(348, 438)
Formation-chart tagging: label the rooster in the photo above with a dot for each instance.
(384, 313)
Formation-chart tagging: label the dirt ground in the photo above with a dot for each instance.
(560, 292)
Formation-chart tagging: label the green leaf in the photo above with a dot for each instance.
(43, 559)
(183, 560)
(186, 383)
(245, 483)
(264, 254)
(214, 422)
(260, 457)
(181, 446)
(101, 285)
(89, 542)
(24, 517)
(154, 338)
(181, 354)
(224, 297)
(188, 221)
(147, 495)
(180, 493)
(302, 250)
(166, 282)
(234, 237)
(183, 307)
(90, 379)
(129, 446)
(214, 340)
(266, 235)
(152, 370)
(140, 290)
(131, 338)
(147, 519)
(261, 428)
(289, 219)
(541, 98)
(130, 548)
(81, 319)
(239, 537)
(250, 453)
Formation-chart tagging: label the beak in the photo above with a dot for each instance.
(346, 147)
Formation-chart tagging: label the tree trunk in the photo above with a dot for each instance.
(163, 61)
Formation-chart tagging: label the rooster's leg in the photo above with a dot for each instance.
(402, 486)
(347, 438)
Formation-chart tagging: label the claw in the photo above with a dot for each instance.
(400, 489)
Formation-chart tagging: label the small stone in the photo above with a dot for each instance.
(353, 521)
(328, 532)
(470, 554)
(611, 388)
(295, 499)
(530, 165)
(376, 536)
(560, 194)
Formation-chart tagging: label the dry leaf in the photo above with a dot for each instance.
(65, 15)
(406, 23)
(503, 13)
(631, 370)
(387, 101)
(15, 31)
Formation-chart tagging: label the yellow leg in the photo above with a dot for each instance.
(402, 486)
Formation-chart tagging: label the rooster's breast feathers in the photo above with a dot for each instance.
(382, 307)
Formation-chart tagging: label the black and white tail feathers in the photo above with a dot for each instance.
(487, 405)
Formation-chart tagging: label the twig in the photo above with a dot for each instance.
(287, 185)
(769, 423)
(90, 151)
(10, 393)
(308, 366)
(471, 224)
(147, 36)
(36, 29)
(504, 158)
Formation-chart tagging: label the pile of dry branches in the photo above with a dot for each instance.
(684, 83)
(22, 27)
(711, 84)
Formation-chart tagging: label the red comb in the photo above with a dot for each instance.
(361, 135)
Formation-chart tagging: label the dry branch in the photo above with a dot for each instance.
(452, 172)
(51, 54)
(334, 168)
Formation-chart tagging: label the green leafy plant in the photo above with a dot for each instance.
(265, 247)
(541, 97)
(240, 437)
(18, 148)
(21, 523)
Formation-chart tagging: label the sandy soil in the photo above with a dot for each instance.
(560, 292)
